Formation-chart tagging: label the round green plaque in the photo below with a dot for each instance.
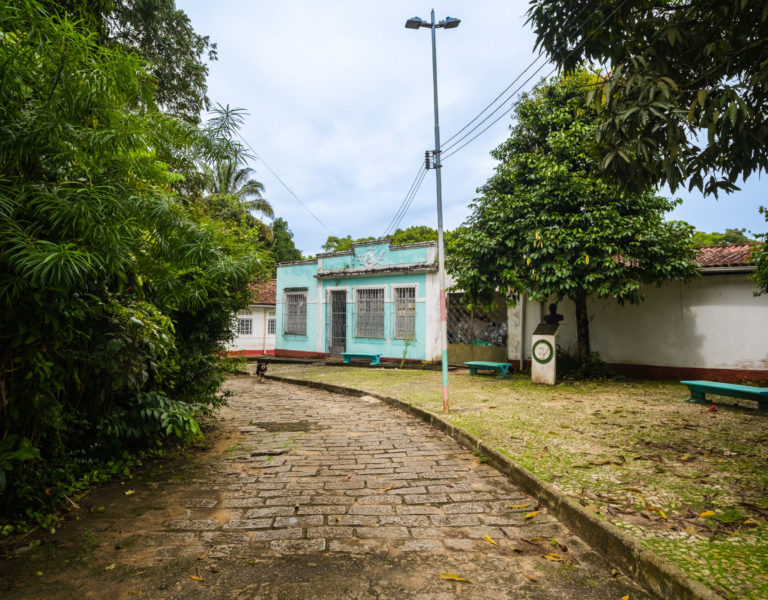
(542, 352)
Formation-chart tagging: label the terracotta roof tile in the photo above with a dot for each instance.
(264, 293)
(725, 256)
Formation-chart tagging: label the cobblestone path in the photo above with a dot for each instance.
(317, 495)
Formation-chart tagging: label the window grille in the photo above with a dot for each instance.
(296, 313)
(245, 326)
(405, 313)
(271, 326)
(370, 313)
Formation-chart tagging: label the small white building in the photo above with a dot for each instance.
(713, 327)
(255, 326)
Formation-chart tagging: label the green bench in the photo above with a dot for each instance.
(501, 368)
(374, 358)
(699, 389)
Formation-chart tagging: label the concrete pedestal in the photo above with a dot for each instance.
(544, 354)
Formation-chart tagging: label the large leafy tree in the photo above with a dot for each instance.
(549, 226)
(163, 36)
(283, 248)
(115, 297)
(685, 96)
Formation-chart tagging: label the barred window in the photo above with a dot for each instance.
(271, 328)
(296, 313)
(245, 326)
(405, 313)
(370, 313)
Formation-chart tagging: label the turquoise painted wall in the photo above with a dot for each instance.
(304, 276)
(381, 252)
(297, 277)
(388, 346)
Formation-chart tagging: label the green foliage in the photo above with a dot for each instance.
(337, 244)
(410, 235)
(160, 34)
(116, 295)
(685, 96)
(548, 225)
(283, 249)
(760, 257)
(731, 236)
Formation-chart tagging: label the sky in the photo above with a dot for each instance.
(340, 108)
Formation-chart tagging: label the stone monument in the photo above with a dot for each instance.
(544, 348)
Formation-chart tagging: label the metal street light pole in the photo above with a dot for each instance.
(447, 23)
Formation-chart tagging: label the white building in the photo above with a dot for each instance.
(713, 327)
(255, 326)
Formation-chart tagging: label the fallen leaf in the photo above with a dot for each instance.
(488, 538)
(531, 514)
(526, 505)
(625, 597)
(453, 577)
(391, 487)
(39, 573)
(129, 492)
(196, 578)
(553, 556)
(707, 513)
(658, 511)
(531, 577)
(614, 572)
(110, 567)
(633, 489)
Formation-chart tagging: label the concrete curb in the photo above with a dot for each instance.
(640, 563)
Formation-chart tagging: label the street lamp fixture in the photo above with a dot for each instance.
(447, 23)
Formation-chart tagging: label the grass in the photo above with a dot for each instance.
(689, 483)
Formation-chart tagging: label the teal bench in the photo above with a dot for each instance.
(374, 358)
(501, 368)
(699, 389)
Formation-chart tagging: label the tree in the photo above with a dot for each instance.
(114, 301)
(548, 225)
(283, 248)
(684, 98)
(337, 244)
(731, 236)
(163, 36)
(232, 195)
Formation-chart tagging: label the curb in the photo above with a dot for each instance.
(640, 563)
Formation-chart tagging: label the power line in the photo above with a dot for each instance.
(422, 175)
(492, 102)
(448, 147)
(415, 184)
(502, 115)
(290, 191)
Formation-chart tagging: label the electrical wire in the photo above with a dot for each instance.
(502, 115)
(290, 191)
(423, 174)
(415, 184)
(492, 102)
(447, 147)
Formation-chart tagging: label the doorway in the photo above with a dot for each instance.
(337, 326)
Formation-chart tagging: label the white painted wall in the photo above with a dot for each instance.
(714, 321)
(260, 340)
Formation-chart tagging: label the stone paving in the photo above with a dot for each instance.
(318, 495)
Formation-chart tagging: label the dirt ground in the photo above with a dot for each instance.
(688, 480)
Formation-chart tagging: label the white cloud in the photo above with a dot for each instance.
(340, 101)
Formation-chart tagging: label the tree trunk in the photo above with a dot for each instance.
(582, 330)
